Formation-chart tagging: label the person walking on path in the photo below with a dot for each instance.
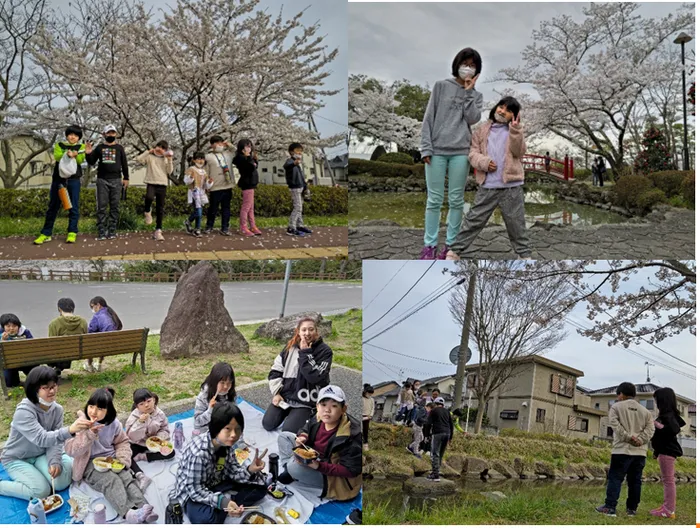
(454, 107)
(633, 427)
(441, 429)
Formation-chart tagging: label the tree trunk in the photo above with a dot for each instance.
(479, 415)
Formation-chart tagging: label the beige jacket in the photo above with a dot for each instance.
(367, 407)
(215, 172)
(157, 168)
(629, 418)
(479, 154)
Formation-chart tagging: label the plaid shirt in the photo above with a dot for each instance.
(197, 470)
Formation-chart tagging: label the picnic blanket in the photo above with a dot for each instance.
(311, 508)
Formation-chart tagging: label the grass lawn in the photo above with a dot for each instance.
(529, 503)
(180, 378)
(32, 226)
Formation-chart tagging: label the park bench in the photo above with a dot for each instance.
(32, 352)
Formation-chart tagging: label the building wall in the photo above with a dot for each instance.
(386, 388)
(41, 166)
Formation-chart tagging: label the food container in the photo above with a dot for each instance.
(101, 464)
(257, 518)
(158, 445)
(52, 503)
(305, 456)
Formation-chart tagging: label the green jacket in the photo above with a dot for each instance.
(66, 325)
(59, 149)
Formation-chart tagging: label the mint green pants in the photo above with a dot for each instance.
(456, 169)
(31, 479)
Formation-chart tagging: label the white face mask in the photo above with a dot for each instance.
(45, 403)
(219, 149)
(500, 119)
(466, 72)
(199, 164)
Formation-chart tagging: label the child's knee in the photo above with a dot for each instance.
(39, 490)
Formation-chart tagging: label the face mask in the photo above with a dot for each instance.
(297, 156)
(500, 119)
(43, 402)
(199, 164)
(219, 149)
(466, 72)
(110, 139)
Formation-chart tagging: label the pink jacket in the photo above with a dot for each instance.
(479, 157)
(80, 446)
(155, 425)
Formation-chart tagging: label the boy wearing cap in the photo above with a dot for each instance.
(337, 438)
(110, 170)
(72, 148)
(441, 428)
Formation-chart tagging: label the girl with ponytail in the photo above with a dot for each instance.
(105, 319)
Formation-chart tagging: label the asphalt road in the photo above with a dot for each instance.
(146, 304)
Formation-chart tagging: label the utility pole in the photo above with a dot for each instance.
(287, 272)
(464, 342)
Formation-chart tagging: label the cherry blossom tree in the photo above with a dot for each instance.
(372, 112)
(590, 75)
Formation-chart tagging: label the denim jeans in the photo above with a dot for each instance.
(621, 467)
(241, 494)
(299, 472)
(196, 215)
(73, 188)
(31, 479)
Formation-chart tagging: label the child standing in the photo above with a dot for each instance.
(105, 319)
(405, 402)
(246, 161)
(441, 429)
(146, 420)
(106, 438)
(220, 385)
(112, 164)
(12, 329)
(295, 181)
(159, 165)
(420, 418)
(666, 448)
(219, 170)
(71, 148)
(336, 436)
(496, 152)
(367, 413)
(454, 106)
(198, 183)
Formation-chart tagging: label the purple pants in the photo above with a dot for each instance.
(668, 478)
(248, 210)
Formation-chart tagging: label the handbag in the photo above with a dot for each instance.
(173, 513)
(67, 167)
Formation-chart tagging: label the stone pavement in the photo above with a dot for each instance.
(665, 233)
(325, 242)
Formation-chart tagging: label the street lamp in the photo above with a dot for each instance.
(682, 39)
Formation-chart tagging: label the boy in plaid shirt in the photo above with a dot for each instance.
(210, 482)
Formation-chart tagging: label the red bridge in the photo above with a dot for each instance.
(560, 169)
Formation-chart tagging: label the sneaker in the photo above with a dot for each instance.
(443, 253)
(208, 230)
(304, 229)
(355, 517)
(285, 478)
(295, 232)
(158, 235)
(142, 481)
(256, 231)
(188, 226)
(111, 236)
(428, 253)
(225, 232)
(197, 233)
(41, 239)
(247, 232)
(365, 447)
(97, 366)
(88, 367)
(663, 512)
(606, 511)
(71, 238)
(433, 477)
(631, 513)
(101, 237)
(148, 218)
(409, 450)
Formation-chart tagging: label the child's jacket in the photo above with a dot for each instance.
(80, 448)
(515, 149)
(665, 441)
(155, 425)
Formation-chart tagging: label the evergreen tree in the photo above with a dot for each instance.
(655, 155)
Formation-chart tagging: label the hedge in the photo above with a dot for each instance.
(688, 188)
(396, 157)
(670, 182)
(628, 189)
(384, 170)
(270, 201)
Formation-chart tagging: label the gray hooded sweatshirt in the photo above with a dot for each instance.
(34, 432)
(448, 118)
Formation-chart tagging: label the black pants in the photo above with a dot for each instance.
(157, 193)
(136, 449)
(437, 450)
(365, 431)
(294, 418)
(242, 494)
(216, 199)
(12, 376)
(109, 193)
(621, 467)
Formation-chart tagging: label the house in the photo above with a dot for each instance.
(540, 396)
(272, 172)
(38, 171)
(602, 399)
(339, 166)
(385, 407)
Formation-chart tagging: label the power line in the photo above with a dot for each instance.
(411, 357)
(387, 284)
(379, 366)
(389, 366)
(344, 125)
(402, 297)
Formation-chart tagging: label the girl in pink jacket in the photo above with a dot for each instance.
(146, 420)
(496, 151)
(106, 439)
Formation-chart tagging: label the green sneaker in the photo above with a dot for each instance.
(71, 238)
(41, 239)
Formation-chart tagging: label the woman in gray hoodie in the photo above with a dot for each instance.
(454, 107)
(33, 454)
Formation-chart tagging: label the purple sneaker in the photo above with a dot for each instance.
(443, 254)
(428, 253)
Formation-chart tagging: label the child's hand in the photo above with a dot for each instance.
(55, 471)
(451, 255)
(72, 153)
(210, 181)
(143, 417)
(257, 464)
(492, 166)
(427, 160)
(314, 465)
(88, 147)
(276, 399)
(469, 83)
(96, 427)
(212, 402)
(516, 120)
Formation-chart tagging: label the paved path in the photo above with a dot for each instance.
(669, 234)
(178, 245)
(146, 304)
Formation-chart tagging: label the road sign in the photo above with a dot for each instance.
(454, 355)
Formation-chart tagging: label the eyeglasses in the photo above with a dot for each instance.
(49, 388)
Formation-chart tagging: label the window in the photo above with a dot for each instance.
(34, 166)
(264, 169)
(611, 403)
(540, 415)
(563, 385)
(578, 424)
(509, 415)
(597, 405)
(274, 169)
(649, 404)
(609, 432)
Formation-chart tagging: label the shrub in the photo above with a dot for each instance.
(670, 182)
(396, 157)
(384, 170)
(688, 188)
(270, 201)
(650, 198)
(628, 189)
(582, 174)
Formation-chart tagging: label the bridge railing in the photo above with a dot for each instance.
(562, 169)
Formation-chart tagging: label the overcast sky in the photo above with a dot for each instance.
(418, 41)
(432, 333)
(332, 17)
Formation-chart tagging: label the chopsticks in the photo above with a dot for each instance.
(246, 508)
(53, 487)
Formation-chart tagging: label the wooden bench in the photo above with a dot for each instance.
(32, 352)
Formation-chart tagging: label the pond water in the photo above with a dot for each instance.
(408, 209)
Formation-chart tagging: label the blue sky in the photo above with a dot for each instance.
(432, 333)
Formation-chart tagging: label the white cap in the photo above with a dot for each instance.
(441, 401)
(109, 128)
(333, 392)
